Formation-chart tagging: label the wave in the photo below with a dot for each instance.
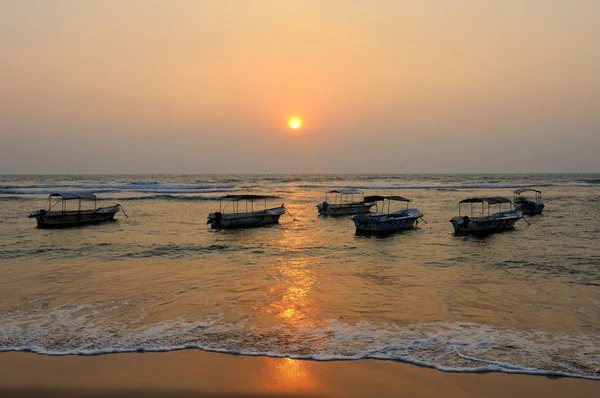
(136, 185)
(591, 181)
(167, 197)
(440, 187)
(161, 190)
(449, 347)
(9, 198)
(178, 251)
(492, 366)
(158, 196)
(108, 191)
(111, 251)
(37, 186)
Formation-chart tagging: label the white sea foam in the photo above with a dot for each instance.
(447, 346)
(492, 367)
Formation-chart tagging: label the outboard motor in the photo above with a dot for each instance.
(465, 223)
(40, 212)
(217, 217)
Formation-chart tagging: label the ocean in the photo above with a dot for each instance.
(524, 301)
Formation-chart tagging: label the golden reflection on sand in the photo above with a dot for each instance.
(290, 376)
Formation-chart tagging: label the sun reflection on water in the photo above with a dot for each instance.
(295, 308)
(291, 300)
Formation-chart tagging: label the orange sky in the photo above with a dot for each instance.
(388, 86)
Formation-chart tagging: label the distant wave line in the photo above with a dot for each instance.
(131, 186)
(128, 198)
(155, 191)
(441, 187)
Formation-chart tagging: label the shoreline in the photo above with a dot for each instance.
(491, 368)
(200, 373)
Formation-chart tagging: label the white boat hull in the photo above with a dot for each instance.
(245, 220)
(485, 225)
(387, 223)
(344, 209)
(59, 219)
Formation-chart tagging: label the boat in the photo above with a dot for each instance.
(237, 211)
(526, 205)
(484, 222)
(386, 221)
(342, 203)
(52, 218)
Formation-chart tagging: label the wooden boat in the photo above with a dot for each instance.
(342, 203)
(52, 218)
(484, 222)
(241, 212)
(387, 221)
(527, 205)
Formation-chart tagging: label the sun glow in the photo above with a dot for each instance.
(295, 123)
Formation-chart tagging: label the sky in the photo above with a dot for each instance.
(206, 87)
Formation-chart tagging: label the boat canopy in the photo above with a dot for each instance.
(74, 195)
(377, 198)
(492, 200)
(246, 197)
(346, 191)
(521, 190)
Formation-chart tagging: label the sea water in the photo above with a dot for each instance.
(524, 301)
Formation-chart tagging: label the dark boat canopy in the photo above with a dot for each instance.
(492, 200)
(246, 197)
(377, 198)
(521, 190)
(347, 191)
(74, 195)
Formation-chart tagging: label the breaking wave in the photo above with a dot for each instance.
(450, 347)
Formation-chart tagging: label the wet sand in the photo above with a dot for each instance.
(191, 373)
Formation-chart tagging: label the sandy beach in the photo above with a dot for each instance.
(196, 373)
(299, 198)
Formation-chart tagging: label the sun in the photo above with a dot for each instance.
(295, 123)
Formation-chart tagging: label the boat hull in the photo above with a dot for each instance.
(486, 225)
(387, 223)
(64, 219)
(530, 208)
(344, 210)
(245, 220)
